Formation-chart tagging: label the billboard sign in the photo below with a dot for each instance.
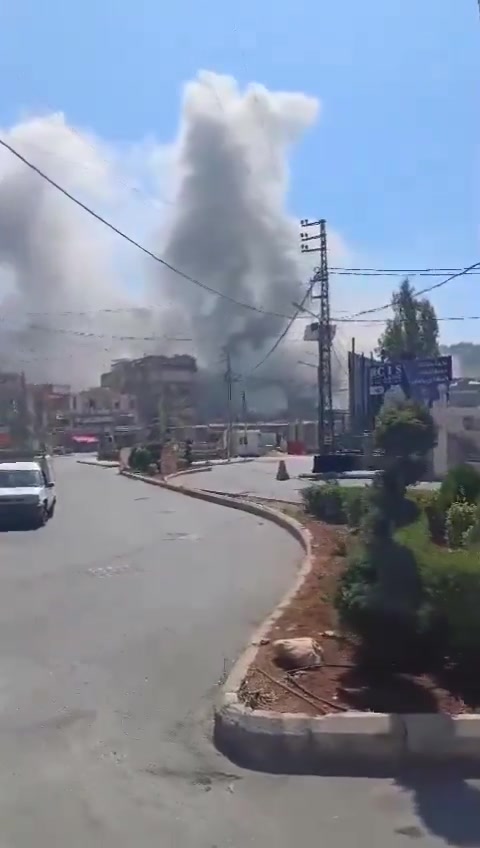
(431, 371)
(413, 375)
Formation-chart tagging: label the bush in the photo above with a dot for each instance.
(471, 537)
(326, 503)
(380, 598)
(451, 580)
(140, 459)
(336, 504)
(460, 518)
(436, 516)
(461, 483)
(355, 505)
(453, 589)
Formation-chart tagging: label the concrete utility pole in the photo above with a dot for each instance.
(326, 431)
(229, 383)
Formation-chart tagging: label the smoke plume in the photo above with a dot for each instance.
(229, 227)
(226, 225)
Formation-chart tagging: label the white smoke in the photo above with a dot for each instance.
(226, 225)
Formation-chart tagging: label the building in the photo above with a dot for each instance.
(164, 387)
(15, 408)
(458, 425)
(102, 400)
(48, 402)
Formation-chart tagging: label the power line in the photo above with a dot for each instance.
(204, 286)
(131, 240)
(121, 338)
(371, 321)
(286, 329)
(54, 154)
(389, 272)
(439, 285)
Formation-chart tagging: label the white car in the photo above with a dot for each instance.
(27, 492)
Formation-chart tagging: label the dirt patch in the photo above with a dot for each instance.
(340, 684)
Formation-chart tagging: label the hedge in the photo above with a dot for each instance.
(451, 580)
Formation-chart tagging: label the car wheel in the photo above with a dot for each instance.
(51, 511)
(42, 517)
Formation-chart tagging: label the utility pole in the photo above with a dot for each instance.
(245, 415)
(324, 332)
(229, 382)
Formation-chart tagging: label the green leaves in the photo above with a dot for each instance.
(413, 330)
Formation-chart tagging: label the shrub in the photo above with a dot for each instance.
(406, 431)
(336, 504)
(471, 537)
(451, 581)
(453, 589)
(436, 516)
(140, 459)
(326, 503)
(355, 504)
(380, 598)
(461, 483)
(460, 518)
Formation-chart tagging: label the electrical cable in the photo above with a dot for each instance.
(372, 321)
(204, 286)
(286, 329)
(396, 272)
(426, 290)
(131, 240)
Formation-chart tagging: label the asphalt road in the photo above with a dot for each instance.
(117, 621)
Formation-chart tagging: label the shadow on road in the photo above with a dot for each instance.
(19, 527)
(447, 805)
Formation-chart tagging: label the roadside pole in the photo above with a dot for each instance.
(229, 382)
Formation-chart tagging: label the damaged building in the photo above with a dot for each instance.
(164, 387)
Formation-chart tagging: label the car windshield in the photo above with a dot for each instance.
(20, 479)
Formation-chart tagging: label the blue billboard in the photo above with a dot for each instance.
(419, 378)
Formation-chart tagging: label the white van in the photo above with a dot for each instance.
(27, 491)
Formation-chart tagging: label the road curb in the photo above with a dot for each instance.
(350, 742)
(103, 463)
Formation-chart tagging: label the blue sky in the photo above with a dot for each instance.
(393, 162)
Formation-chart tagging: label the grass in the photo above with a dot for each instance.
(416, 537)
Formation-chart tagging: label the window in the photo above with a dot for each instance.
(20, 479)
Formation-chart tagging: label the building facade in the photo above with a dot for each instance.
(164, 387)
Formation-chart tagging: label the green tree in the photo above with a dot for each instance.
(380, 595)
(406, 433)
(413, 330)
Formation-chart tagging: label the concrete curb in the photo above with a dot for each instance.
(346, 743)
(104, 463)
(185, 471)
